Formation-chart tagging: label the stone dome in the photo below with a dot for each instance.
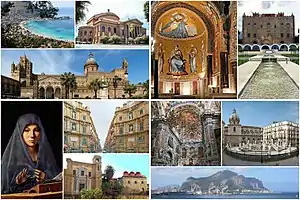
(234, 118)
(91, 60)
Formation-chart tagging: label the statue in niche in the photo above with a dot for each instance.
(178, 27)
(177, 62)
(161, 54)
(192, 59)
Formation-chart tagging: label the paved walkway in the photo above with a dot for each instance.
(245, 71)
(230, 161)
(292, 69)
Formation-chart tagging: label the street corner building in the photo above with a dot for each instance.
(80, 135)
(129, 129)
(23, 83)
(194, 49)
(275, 142)
(103, 26)
(186, 133)
(80, 175)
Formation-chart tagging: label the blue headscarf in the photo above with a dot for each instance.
(16, 157)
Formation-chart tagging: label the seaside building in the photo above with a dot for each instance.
(194, 49)
(80, 175)
(185, 133)
(129, 129)
(10, 88)
(134, 182)
(79, 130)
(268, 29)
(41, 86)
(109, 24)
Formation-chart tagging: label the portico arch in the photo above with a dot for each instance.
(240, 47)
(49, 92)
(255, 47)
(247, 47)
(292, 47)
(42, 94)
(265, 47)
(275, 46)
(284, 47)
(57, 93)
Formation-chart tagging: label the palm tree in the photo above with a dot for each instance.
(109, 172)
(146, 10)
(68, 80)
(81, 7)
(146, 88)
(96, 85)
(130, 89)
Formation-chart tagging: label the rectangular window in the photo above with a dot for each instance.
(66, 125)
(73, 114)
(130, 127)
(66, 139)
(141, 126)
(141, 139)
(254, 35)
(141, 111)
(90, 174)
(121, 130)
(81, 186)
(130, 115)
(248, 35)
(287, 35)
(84, 129)
(120, 118)
(74, 172)
(73, 127)
(281, 35)
(84, 118)
(82, 173)
(84, 141)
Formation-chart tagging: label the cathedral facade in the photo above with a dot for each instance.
(194, 49)
(45, 86)
(185, 133)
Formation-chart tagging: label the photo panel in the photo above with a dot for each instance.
(107, 126)
(193, 49)
(185, 133)
(268, 50)
(260, 133)
(31, 140)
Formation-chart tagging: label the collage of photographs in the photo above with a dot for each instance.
(139, 99)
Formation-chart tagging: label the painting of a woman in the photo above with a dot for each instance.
(28, 159)
(177, 62)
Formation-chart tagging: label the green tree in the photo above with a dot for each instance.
(146, 88)
(81, 8)
(96, 85)
(68, 80)
(130, 89)
(146, 10)
(5, 7)
(109, 172)
(91, 194)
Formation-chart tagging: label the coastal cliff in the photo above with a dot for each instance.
(223, 181)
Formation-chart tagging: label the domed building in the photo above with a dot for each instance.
(185, 133)
(109, 24)
(41, 86)
(234, 133)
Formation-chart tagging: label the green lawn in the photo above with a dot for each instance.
(244, 58)
(294, 57)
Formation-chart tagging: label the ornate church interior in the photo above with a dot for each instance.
(185, 133)
(193, 49)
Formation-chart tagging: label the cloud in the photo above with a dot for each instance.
(267, 4)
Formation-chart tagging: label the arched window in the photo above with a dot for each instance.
(109, 29)
(103, 28)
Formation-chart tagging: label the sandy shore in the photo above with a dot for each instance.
(22, 25)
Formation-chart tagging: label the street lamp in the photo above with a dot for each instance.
(116, 79)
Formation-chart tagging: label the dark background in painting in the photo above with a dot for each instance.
(50, 114)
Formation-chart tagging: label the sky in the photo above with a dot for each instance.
(261, 113)
(120, 162)
(123, 8)
(102, 113)
(60, 61)
(269, 7)
(63, 4)
(275, 179)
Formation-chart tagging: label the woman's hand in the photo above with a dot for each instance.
(22, 176)
(39, 175)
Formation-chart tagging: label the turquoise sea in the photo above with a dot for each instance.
(58, 29)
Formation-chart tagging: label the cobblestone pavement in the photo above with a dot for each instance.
(270, 81)
(230, 161)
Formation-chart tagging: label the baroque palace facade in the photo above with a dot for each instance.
(109, 24)
(194, 49)
(278, 133)
(129, 129)
(80, 134)
(41, 86)
(185, 133)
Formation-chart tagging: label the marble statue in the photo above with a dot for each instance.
(161, 54)
(192, 59)
(177, 61)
